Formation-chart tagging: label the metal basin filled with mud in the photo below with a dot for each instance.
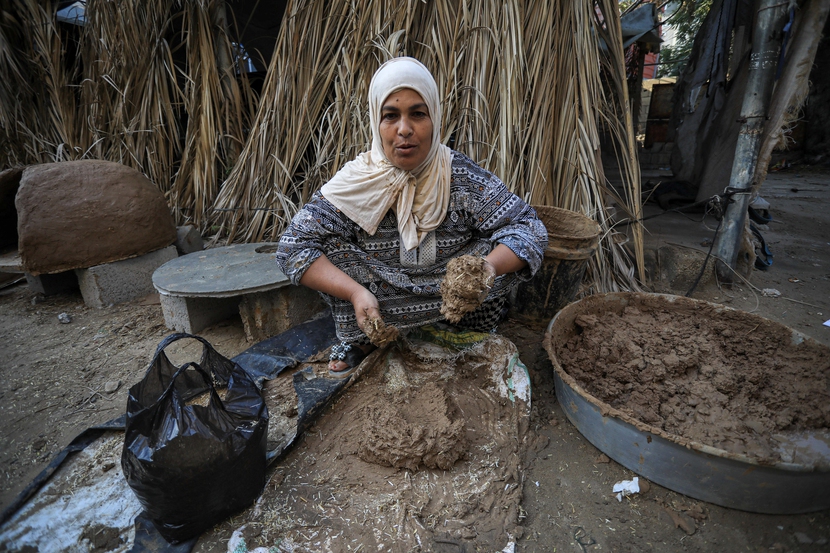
(715, 403)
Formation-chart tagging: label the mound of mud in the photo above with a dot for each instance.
(720, 377)
(424, 429)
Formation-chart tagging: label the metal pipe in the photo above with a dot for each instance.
(763, 58)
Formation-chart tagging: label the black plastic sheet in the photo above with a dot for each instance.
(262, 361)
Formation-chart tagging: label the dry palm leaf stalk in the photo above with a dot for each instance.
(130, 100)
(216, 112)
(38, 112)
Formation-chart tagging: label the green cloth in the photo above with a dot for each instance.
(455, 339)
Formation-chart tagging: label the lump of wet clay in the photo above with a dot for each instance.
(379, 332)
(413, 433)
(464, 287)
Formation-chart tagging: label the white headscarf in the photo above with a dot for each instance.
(367, 187)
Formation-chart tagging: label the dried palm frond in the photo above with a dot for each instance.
(264, 189)
(38, 112)
(129, 97)
(615, 115)
(216, 114)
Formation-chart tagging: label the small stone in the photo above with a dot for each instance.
(111, 386)
(602, 459)
(64, 318)
(38, 444)
(821, 541)
(803, 538)
(644, 485)
(108, 466)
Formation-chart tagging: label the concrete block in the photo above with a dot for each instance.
(193, 315)
(49, 285)
(123, 280)
(266, 314)
(188, 240)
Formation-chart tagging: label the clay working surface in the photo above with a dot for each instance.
(425, 444)
(728, 380)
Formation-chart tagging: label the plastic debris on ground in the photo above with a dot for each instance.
(626, 488)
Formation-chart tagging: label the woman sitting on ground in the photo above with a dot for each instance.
(376, 239)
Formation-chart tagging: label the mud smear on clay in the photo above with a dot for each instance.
(424, 429)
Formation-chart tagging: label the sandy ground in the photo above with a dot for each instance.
(54, 379)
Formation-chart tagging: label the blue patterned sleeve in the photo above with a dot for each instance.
(508, 220)
(317, 223)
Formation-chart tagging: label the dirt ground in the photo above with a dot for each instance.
(55, 377)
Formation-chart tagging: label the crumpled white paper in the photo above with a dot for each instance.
(626, 488)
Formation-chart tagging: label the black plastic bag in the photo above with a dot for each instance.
(192, 466)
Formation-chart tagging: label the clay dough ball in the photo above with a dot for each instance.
(419, 430)
(464, 287)
(379, 332)
(78, 214)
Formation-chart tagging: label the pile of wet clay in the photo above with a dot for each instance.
(464, 287)
(422, 430)
(726, 379)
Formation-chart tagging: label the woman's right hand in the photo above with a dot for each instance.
(365, 305)
(323, 276)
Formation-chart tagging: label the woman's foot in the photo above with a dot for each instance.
(345, 358)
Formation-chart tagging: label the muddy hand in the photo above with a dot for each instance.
(365, 306)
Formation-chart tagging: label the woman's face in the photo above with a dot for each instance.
(405, 129)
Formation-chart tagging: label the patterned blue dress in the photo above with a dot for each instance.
(482, 213)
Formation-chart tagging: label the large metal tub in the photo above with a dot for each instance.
(691, 468)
